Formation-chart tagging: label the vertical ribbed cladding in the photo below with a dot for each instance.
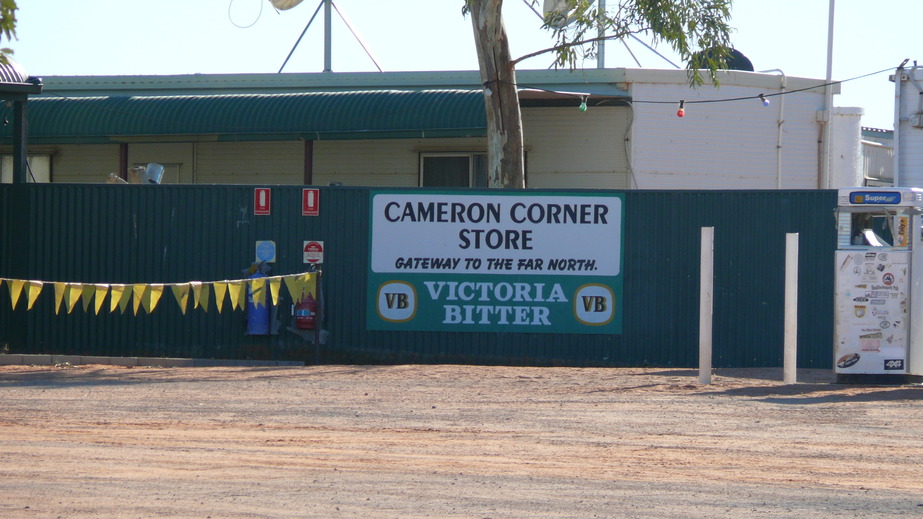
(660, 307)
(6, 269)
(663, 232)
(750, 304)
(168, 234)
(344, 228)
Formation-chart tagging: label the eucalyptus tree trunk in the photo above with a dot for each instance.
(505, 160)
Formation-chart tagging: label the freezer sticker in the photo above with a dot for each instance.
(848, 360)
(894, 364)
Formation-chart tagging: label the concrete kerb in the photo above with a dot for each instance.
(76, 360)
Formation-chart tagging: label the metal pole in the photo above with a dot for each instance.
(828, 102)
(790, 357)
(601, 48)
(21, 142)
(706, 300)
(328, 37)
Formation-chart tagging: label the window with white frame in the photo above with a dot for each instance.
(38, 170)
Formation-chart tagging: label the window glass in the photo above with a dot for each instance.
(446, 171)
(39, 169)
(879, 229)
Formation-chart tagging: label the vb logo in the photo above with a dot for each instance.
(594, 304)
(396, 301)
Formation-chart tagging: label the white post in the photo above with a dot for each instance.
(706, 283)
(790, 356)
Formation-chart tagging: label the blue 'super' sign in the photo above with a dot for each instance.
(874, 197)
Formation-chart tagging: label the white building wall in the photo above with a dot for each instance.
(846, 148)
(723, 145)
(910, 137)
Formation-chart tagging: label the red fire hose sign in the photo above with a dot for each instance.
(313, 252)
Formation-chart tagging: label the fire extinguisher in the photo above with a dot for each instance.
(306, 312)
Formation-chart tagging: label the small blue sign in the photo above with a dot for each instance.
(874, 198)
(266, 251)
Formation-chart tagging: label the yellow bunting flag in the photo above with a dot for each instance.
(221, 288)
(310, 284)
(200, 296)
(295, 287)
(35, 288)
(115, 296)
(275, 283)
(138, 290)
(59, 289)
(86, 295)
(196, 293)
(74, 291)
(235, 291)
(15, 289)
(101, 291)
(181, 293)
(258, 289)
(152, 297)
(242, 296)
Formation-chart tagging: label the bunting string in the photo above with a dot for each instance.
(261, 291)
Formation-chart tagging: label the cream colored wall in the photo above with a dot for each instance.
(385, 162)
(567, 148)
(177, 159)
(259, 162)
(82, 162)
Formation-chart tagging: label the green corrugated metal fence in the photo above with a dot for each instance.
(169, 234)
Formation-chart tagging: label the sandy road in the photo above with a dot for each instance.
(453, 441)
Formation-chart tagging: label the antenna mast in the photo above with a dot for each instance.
(328, 37)
(328, 6)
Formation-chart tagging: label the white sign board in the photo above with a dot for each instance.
(538, 235)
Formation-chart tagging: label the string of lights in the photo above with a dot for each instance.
(584, 98)
(762, 97)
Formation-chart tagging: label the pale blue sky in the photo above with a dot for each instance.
(110, 37)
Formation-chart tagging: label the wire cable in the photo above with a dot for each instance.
(235, 24)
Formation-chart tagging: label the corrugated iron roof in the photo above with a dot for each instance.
(15, 83)
(316, 116)
(12, 72)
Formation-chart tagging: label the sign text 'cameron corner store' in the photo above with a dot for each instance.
(491, 234)
(496, 262)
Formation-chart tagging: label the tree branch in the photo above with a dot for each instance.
(575, 44)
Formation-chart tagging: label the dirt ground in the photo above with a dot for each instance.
(453, 441)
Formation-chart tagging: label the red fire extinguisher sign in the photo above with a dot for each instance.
(262, 201)
(310, 202)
